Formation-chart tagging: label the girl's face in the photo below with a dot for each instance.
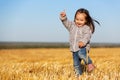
(80, 19)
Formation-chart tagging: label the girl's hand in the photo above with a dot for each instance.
(63, 14)
(81, 44)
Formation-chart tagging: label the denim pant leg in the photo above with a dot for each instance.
(82, 54)
(76, 63)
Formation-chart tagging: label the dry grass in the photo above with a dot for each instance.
(56, 64)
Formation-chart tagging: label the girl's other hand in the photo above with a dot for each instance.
(81, 44)
(63, 14)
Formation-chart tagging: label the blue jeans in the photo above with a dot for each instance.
(77, 57)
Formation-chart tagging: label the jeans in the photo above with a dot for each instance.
(77, 57)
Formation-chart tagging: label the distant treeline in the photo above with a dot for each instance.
(10, 45)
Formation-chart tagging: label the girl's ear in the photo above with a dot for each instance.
(86, 22)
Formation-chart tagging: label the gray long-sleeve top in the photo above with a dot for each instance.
(77, 34)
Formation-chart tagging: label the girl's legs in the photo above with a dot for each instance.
(76, 63)
(77, 57)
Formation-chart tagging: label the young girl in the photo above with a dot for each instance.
(80, 31)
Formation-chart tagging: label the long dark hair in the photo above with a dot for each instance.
(89, 20)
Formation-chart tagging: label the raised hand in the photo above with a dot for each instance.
(63, 14)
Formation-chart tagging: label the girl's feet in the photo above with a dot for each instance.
(90, 67)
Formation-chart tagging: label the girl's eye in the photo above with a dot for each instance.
(81, 20)
(77, 19)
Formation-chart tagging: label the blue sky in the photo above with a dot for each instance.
(38, 21)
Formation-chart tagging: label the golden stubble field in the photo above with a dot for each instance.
(56, 64)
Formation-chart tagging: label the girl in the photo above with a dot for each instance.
(80, 31)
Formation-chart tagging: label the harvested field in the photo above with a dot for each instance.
(56, 64)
